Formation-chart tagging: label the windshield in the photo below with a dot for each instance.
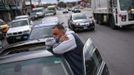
(39, 10)
(41, 32)
(77, 17)
(38, 66)
(126, 4)
(49, 11)
(19, 23)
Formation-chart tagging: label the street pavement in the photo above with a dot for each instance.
(115, 46)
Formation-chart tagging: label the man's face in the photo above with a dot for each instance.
(57, 33)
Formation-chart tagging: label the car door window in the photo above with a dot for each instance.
(92, 62)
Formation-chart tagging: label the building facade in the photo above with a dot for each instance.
(11, 8)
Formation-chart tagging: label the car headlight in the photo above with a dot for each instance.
(75, 23)
(90, 20)
(9, 34)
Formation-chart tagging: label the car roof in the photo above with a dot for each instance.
(22, 16)
(50, 20)
(24, 56)
(76, 14)
(38, 8)
(19, 19)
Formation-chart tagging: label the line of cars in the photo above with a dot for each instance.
(74, 10)
(31, 56)
(41, 12)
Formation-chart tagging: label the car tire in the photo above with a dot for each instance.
(93, 29)
(112, 23)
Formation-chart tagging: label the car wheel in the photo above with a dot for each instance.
(112, 23)
(93, 29)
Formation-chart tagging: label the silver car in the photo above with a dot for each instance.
(80, 21)
(32, 58)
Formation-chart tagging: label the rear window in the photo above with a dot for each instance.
(77, 17)
(40, 66)
(41, 32)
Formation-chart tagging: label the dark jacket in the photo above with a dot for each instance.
(75, 57)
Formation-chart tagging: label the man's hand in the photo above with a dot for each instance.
(64, 38)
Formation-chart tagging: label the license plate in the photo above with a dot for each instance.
(18, 37)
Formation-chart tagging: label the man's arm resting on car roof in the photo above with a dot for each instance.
(65, 46)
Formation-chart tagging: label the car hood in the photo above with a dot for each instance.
(81, 21)
(19, 29)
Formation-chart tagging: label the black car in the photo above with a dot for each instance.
(32, 58)
(79, 21)
(65, 11)
(76, 10)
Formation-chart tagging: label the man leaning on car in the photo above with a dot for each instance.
(70, 47)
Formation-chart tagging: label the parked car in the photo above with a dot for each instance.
(79, 21)
(19, 30)
(65, 11)
(49, 12)
(32, 58)
(76, 10)
(37, 13)
(24, 17)
(33, 16)
(52, 9)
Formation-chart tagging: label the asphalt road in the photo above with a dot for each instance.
(115, 46)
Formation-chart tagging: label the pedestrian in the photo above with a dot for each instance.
(70, 47)
(3, 32)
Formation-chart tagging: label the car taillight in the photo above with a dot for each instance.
(123, 17)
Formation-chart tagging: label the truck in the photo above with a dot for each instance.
(116, 13)
(52, 8)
